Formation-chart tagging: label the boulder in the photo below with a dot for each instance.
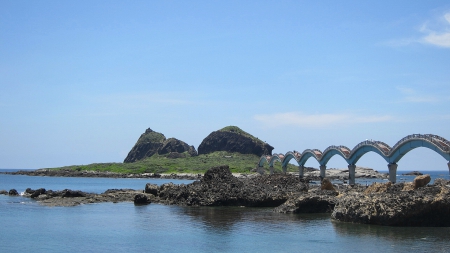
(421, 181)
(3, 192)
(141, 199)
(37, 192)
(327, 185)
(13, 192)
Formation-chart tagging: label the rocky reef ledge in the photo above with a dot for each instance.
(401, 204)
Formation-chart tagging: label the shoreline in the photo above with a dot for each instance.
(312, 175)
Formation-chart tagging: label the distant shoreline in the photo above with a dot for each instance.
(312, 175)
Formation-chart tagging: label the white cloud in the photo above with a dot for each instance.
(315, 120)
(410, 95)
(440, 34)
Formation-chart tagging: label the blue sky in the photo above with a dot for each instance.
(81, 80)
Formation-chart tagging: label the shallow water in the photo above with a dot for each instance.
(27, 226)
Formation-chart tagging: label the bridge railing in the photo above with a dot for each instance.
(338, 148)
(442, 143)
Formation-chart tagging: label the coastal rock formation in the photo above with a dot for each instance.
(233, 139)
(173, 145)
(13, 192)
(151, 142)
(69, 197)
(413, 173)
(322, 201)
(391, 205)
(219, 187)
(141, 199)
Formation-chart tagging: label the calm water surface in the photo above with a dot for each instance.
(27, 226)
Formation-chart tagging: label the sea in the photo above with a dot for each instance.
(27, 226)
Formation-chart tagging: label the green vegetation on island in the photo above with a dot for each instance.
(238, 163)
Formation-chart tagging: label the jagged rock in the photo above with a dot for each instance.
(327, 185)
(315, 202)
(173, 145)
(424, 206)
(233, 139)
(141, 199)
(151, 188)
(13, 192)
(378, 187)
(147, 145)
(441, 182)
(3, 192)
(219, 187)
(151, 142)
(421, 181)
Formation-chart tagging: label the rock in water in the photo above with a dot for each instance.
(141, 199)
(233, 139)
(219, 187)
(424, 206)
(151, 188)
(13, 192)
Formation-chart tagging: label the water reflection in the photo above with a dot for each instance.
(226, 218)
(393, 234)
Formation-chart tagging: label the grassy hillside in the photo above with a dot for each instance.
(238, 163)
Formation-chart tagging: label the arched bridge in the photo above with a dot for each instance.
(391, 154)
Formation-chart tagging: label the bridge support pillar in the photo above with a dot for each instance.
(392, 172)
(322, 171)
(301, 171)
(351, 174)
(284, 169)
(260, 170)
(271, 170)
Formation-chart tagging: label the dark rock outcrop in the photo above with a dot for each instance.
(233, 139)
(173, 145)
(151, 188)
(147, 145)
(322, 201)
(151, 142)
(413, 173)
(391, 205)
(13, 192)
(141, 199)
(219, 187)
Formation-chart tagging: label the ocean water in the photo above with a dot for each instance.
(27, 226)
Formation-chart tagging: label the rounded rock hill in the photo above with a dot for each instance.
(232, 139)
(151, 142)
